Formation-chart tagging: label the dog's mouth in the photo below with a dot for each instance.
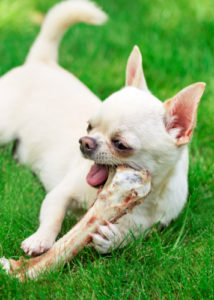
(97, 175)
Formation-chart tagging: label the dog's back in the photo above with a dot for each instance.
(41, 103)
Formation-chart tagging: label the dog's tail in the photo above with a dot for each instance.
(57, 21)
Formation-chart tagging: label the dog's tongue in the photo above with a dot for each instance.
(97, 175)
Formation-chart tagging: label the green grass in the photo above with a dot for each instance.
(176, 38)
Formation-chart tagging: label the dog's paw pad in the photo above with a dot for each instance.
(37, 243)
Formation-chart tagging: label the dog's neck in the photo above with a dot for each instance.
(162, 178)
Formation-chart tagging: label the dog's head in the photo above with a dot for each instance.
(133, 127)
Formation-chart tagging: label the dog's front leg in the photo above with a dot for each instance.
(52, 214)
(53, 211)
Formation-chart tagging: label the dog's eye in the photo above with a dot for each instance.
(89, 128)
(118, 145)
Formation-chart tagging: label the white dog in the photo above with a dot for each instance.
(46, 109)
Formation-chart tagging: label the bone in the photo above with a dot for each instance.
(124, 189)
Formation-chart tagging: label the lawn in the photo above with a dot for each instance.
(176, 39)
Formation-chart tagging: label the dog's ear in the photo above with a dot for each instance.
(134, 71)
(181, 112)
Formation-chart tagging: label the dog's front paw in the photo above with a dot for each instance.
(37, 243)
(107, 238)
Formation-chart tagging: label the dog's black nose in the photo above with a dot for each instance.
(87, 145)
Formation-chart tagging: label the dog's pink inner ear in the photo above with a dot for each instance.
(132, 74)
(181, 112)
(134, 70)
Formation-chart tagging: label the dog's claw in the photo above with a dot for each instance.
(107, 223)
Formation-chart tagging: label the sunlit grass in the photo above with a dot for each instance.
(14, 13)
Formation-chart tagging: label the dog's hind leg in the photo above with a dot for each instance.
(8, 112)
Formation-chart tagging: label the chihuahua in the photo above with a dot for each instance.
(46, 110)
